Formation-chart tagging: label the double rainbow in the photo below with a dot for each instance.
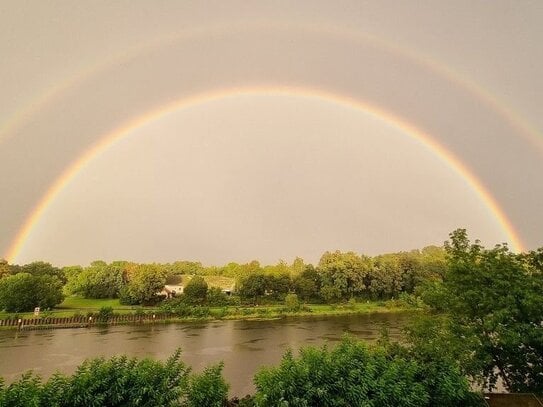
(125, 130)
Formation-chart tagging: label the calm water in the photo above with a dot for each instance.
(244, 346)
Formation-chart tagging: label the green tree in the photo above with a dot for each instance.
(187, 267)
(252, 287)
(98, 281)
(277, 286)
(144, 284)
(385, 276)
(307, 283)
(195, 291)
(23, 291)
(5, 269)
(40, 268)
(72, 274)
(491, 302)
(347, 272)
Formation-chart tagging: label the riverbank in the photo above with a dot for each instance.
(121, 315)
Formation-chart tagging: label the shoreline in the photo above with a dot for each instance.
(256, 314)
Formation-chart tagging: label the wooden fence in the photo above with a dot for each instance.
(79, 321)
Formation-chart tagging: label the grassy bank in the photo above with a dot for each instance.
(76, 306)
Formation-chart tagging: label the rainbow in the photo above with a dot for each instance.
(527, 130)
(107, 140)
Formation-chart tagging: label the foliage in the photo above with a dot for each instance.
(292, 303)
(5, 268)
(144, 283)
(343, 274)
(121, 381)
(277, 286)
(350, 374)
(208, 388)
(24, 392)
(252, 287)
(105, 313)
(354, 374)
(491, 302)
(216, 297)
(41, 268)
(24, 291)
(307, 283)
(339, 276)
(98, 281)
(195, 291)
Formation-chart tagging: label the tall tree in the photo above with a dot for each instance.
(146, 281)
(345, 273)
(24, 291)
(493, 301)
(195, 290)
(41, 268)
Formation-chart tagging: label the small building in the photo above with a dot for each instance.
(170, 290)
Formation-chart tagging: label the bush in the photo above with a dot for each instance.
(208, 388)
(220, 313)
(216, 298)
(126, 297)
(139, 312)
(354, 374)
(101, 382)
(351, 304)
(105, 313)
(291, 303)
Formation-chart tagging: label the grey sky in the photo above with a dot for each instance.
(466, 73)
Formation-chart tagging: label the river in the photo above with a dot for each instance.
(243, 346)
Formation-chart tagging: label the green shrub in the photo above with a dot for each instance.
(121, 381)
(216, 298)
(220, 313)
(263, 311)
(208, 388)
(105, 313)
(234, 300)
(354, 374)
(139, 312)
(199, 312)
(292, 303)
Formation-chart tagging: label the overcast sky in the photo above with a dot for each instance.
(267, 174)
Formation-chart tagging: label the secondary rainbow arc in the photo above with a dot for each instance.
(513, 118)
(126, 129)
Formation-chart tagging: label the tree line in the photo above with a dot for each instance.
(339, 276)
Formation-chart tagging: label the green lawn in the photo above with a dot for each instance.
(74, 302)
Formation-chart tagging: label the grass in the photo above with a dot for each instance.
(74, 304)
